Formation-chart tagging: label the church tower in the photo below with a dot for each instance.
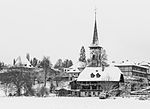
(95, 48)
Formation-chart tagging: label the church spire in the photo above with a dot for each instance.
(95, 35)
(95, 48)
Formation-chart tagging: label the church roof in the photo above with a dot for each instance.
(95, 41)
(95, 35)
(96, 74)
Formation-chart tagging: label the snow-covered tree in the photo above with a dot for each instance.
(82, 54)
(67, 63)
(59, 64)
(34, 62)
(18, 78)
(46, 64)
(104, 58)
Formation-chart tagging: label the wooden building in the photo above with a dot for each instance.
(93, 80)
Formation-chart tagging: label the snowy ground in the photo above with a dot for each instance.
(71, 103)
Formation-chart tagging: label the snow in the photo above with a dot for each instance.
(111, 73)
(71, 103)
(79, 64)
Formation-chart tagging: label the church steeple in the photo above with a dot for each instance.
(95, 48)
(95, 35)
(95, 41)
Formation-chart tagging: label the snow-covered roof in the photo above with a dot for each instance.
(24, 62)
(79, 64)
(96, 74)
(129, 64)
(145, 64)
(73, 70)
(3, 70)
(76, 67)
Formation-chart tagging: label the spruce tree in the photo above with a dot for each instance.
(82, 57)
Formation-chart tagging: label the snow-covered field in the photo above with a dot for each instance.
(71, 103)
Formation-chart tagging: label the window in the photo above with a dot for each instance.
(98, 75)
(92, 75)
(93, 57)
(94, 87)
(93, 93)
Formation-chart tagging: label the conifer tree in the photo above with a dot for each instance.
(59, 64)
(82, 57)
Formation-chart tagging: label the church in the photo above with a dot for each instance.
(97, 77)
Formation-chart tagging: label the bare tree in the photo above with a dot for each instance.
(104, 58)
(17, 77)
(109, 87)
(46, 64)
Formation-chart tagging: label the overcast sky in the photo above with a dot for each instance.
(58, 28)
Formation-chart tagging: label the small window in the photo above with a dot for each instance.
(74, 70)
(98, 75)
(96, 70)
(93, 57)
(93, 93)
(92, 75)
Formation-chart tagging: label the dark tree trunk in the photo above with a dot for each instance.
(45, 78)
(19, 91)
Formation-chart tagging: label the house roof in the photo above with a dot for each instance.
(23, 62)
(79, 64)
(73, 71)
(130, 64)
(96, 74)
(146, 64)
(76, 67)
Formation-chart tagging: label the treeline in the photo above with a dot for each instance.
(19, 79)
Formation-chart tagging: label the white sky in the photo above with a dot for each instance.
(58, 28)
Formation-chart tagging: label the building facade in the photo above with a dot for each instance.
(134, 71)
(137, 76)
